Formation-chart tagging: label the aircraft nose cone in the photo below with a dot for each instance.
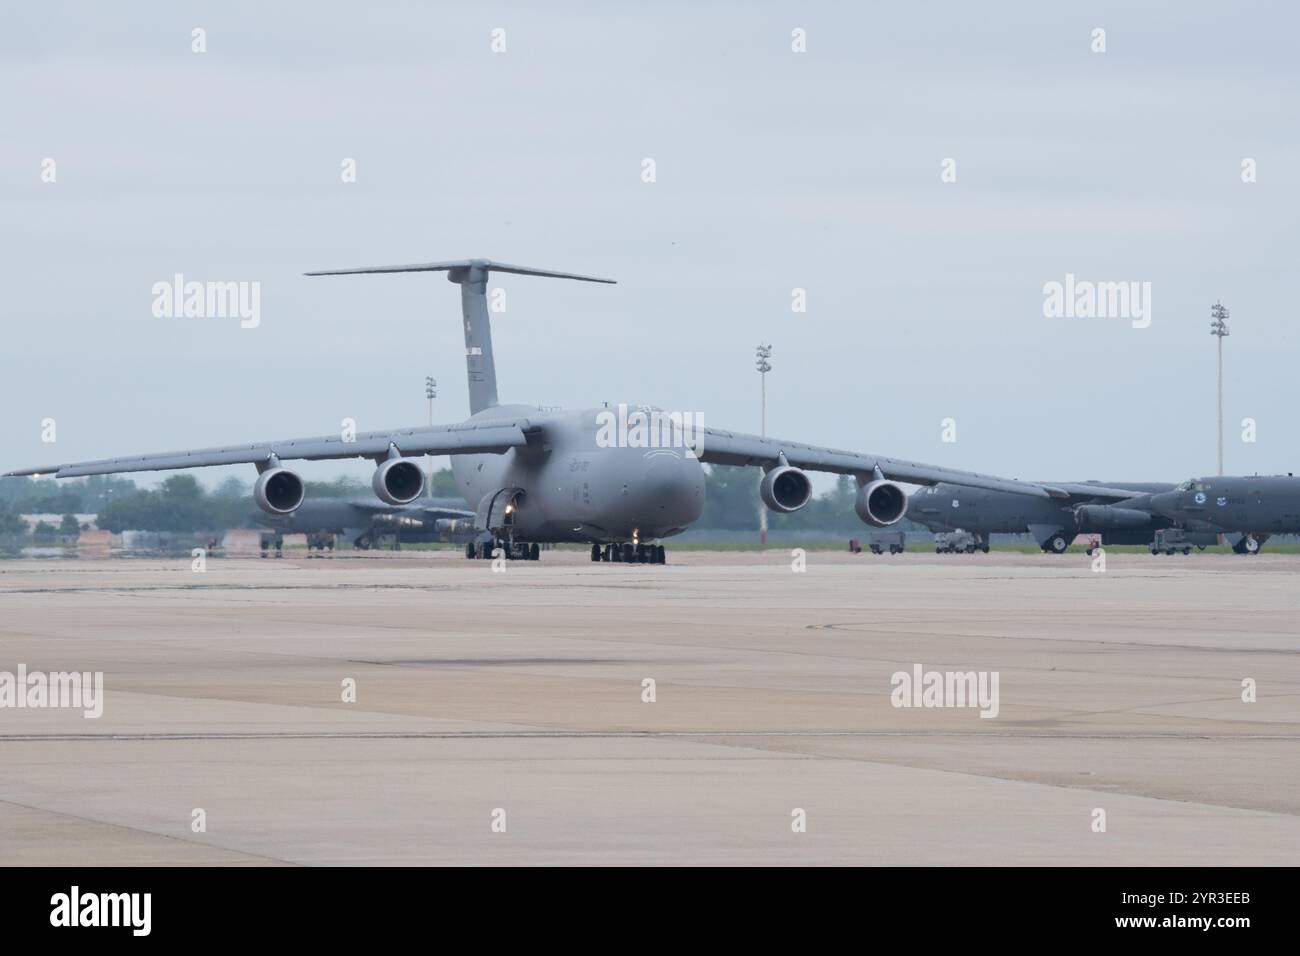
(662, 476)
(1164, 504)
(672, 492)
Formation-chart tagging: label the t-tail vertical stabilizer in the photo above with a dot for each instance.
(471, 275)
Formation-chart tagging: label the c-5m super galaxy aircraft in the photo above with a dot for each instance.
(590, 476)
(1246, 509)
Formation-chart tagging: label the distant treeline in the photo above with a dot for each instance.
(182, 504)
(85, 496)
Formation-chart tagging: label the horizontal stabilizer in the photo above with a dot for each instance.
(483, 265)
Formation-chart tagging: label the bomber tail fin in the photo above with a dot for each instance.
(471, 275)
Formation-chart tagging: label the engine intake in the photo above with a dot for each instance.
(880, 503)
(279, 491)
(785, 489)
(398, 481)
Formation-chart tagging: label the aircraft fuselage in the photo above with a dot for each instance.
(575, 488)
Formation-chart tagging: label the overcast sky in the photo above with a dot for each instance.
(775, 170)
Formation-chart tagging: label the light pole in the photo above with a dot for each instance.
(762, 354)
(1219, 329)
(430, 392)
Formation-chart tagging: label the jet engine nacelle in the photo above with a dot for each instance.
(1108, 516)
(785, 489)
(880, 503)
(279, 491)
(398, 481)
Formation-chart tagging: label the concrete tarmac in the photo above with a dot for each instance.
(486, 700)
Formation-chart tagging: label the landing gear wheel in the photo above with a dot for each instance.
(1057, 544)
(595, 552)
(534, 552)
(662, 556)
(469, 550)
(629, 554)
(1250, 545)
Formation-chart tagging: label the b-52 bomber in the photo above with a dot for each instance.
(321, 519)
(620, 479)
(1246, 509)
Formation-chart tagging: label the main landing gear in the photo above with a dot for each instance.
(630, 553)
(511, 550)
(1056, 544)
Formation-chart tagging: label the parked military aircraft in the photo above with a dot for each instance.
(1090, 508)
(620, 481)
(1246, 510)
(425, 519)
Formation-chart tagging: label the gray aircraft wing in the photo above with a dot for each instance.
(734, 448)
(462, 439)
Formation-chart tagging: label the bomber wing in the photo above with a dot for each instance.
(1089, 490)
(432, 508)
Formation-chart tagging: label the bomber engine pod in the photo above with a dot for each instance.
(398, 481)
(1108, 516)
(785, 488)
(278, 491)
(880, 503)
